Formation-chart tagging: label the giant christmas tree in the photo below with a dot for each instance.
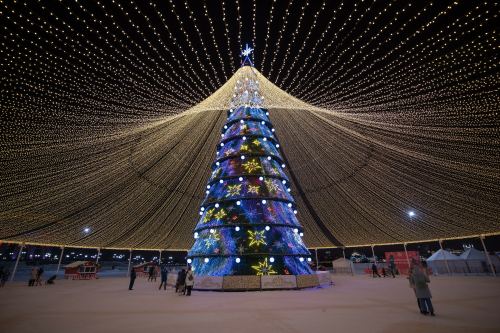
(248, 224)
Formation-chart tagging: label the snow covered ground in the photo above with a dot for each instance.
(354, 304)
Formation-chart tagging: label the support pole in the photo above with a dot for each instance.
(159, 259)
(407, 259)
(98, 252)
(17, 261)
(317, 262)
(343, 252)
(487, 255)
(129, 261)
(374, 259)
(60, 258)
(444, 256)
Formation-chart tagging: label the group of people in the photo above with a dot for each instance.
(375, 271)
(36, 277)
(4, 275)
(185, 278)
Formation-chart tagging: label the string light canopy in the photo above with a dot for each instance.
(111, 114)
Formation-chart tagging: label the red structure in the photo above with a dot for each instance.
(142, 270)
(81, 270)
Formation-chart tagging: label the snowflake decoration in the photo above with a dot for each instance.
(241, 249)
(251, 165)
(233, 190)
(244, 147)
(246, 52)
(212, 239)
(230, 208)
(253, 213)
(256, 142)
(264, 268)
(274, 171)
(272, 184)
(229, 151)
(257, 237)
(220, 214)
(253, 189)
(209, 214)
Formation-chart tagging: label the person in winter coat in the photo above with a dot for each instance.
(410, 271)
(189, 281)
(39, 280)
(374, 270)
(33, 276)
(5, 276)
(133, 275)
(155, 274)
(164, 274)
(182, 279)
(151, 270)
(422, 289)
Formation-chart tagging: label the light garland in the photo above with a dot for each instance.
(111, 115)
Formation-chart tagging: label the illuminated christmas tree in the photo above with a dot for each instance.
(248, 224)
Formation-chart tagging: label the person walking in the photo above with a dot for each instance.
(155, 273)
(151, 269)
(423, 293)
(383, 272)
(33, 276)
(164, 274)
(40, 271)
(182, 280)
(189, 281)
(4, 277)
(374, 270)
(133, 275)
(39, 280)
(410, 271)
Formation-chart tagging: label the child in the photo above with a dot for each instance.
(39, 281)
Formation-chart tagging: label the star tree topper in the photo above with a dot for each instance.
(246, 52)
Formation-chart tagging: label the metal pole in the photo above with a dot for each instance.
(60, 258)
(98, 252)
(129, 261)
(17, 261)
(159, 259)
(317, 262)
(444, 256)
(487, 255)
(343, 252)
(374, 259)
(407, 259)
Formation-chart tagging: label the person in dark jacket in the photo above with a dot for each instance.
(133, 275)
(151, 270)
(383, 272)
(40, 272)
(374, 270)
(182, 280)
(5, 276)
(164, 274)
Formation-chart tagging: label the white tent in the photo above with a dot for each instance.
(339, 263)
(478, 262)
(456, 264)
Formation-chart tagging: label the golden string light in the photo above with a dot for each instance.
(112, 115)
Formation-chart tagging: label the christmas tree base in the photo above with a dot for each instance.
(263, 282)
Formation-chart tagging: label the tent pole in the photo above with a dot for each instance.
(487, 255)
(444, 256)
(159, 259)
(129, 261)
(343, 252)
(317, 262)
(407, 259)
(373, 252)
(60, 258)
(17, 261)
(98, 252)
